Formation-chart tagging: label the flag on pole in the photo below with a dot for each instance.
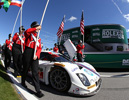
(6, 4)
(17, 2)
(1, 3)
(82, 24)
(61, 28)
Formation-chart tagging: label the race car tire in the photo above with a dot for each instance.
(59, 79)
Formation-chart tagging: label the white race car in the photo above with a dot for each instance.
(78, 78)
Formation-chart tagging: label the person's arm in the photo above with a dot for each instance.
(7, 42)
(81, 47)
(31, 30)
(57, 50)
(54, 49)
(10, 46)
(15, 37)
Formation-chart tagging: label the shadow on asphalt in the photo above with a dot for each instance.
(48, 88)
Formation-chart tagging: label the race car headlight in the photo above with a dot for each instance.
(83, 79)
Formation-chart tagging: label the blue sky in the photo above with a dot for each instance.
(95, 12)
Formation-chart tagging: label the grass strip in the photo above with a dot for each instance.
(7, 91)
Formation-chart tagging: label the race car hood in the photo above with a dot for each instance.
(85, 68)
(89, 71)
(78, 67)
(88, 67)
(69, 66)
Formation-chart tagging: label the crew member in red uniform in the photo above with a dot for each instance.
(79, 52)
(55, 49)
(29, 60)
(8, 52)
(18, 48)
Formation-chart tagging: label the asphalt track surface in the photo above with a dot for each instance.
(115, 86)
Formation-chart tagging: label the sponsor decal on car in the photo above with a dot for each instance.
(59, 64)
(76, 90)
(92, 86)
(74, 69)
(88, 72)
(88, 69)
(95, 79)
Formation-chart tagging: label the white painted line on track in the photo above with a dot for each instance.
(115, 76)
(2, 62)
(106, 76)
(20, 88)
(0, 56)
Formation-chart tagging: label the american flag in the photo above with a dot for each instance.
(61, 28)
(82, 24)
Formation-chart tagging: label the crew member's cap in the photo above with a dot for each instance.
(10, 35)
(55, 44)
(21, 28)
(34, 24)
(79, 41)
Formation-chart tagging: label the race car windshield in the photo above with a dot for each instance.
(61, 59)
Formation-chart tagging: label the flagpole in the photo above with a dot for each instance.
(16, 21)
(40, 25)
(17, 18)
(21, 17)
(60, 39)
(21, 25)
(20, 10)
(83, 38)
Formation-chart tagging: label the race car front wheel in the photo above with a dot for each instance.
(59, 79)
